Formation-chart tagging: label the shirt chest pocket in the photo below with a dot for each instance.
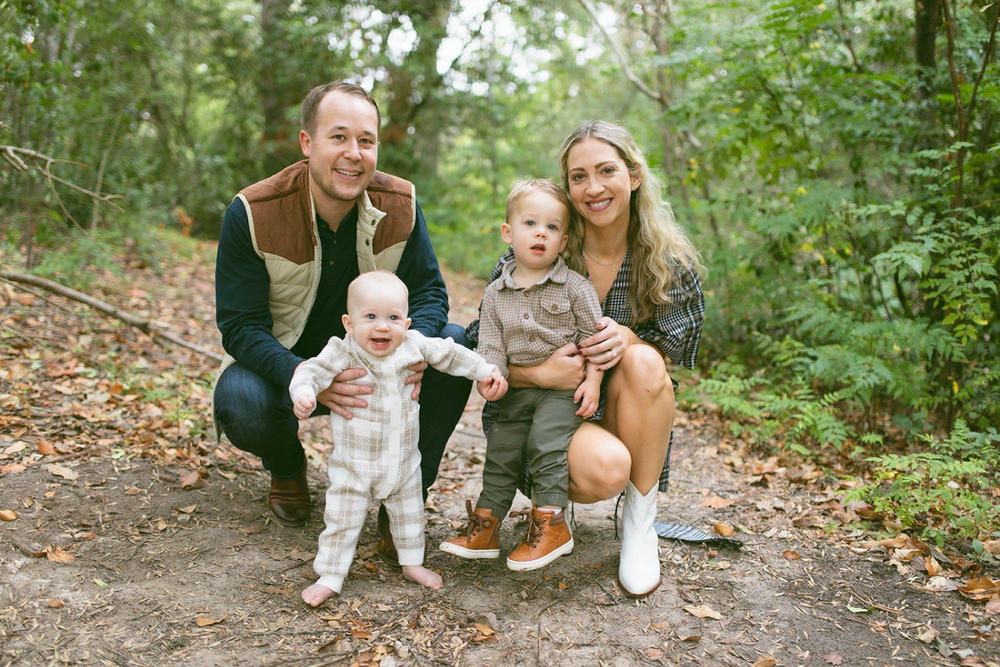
(558, 315)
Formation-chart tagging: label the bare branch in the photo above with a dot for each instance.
(12, 155)
(622, 59)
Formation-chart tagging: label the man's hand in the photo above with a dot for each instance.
(344, 393)
(415, 378)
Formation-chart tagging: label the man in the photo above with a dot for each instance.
(289, 247)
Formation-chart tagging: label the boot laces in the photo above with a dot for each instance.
(476, 522)
(534, 527)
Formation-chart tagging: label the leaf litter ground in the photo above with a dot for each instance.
(128, 537)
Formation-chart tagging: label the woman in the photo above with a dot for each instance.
(646, 273)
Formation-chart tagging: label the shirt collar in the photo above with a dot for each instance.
(558, 274)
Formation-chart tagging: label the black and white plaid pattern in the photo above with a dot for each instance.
(674, 329)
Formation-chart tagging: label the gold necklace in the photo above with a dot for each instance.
(610, 267)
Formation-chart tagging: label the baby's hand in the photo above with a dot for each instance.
(304, 406)
(493, 387)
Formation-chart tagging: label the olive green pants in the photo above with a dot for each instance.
(533, 430)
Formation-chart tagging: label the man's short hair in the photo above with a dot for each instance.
(313, 98)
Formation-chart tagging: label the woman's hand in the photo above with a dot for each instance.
(343, 393)
(564, 369)
(605, 348)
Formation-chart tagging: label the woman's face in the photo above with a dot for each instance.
(599, 183)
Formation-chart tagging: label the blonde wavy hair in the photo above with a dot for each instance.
(660, 250)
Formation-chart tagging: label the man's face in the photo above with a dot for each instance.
(342, 151)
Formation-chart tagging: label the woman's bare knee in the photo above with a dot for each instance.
(599, 464)
(643, 368)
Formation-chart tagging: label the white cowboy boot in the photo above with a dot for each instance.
(639, 566)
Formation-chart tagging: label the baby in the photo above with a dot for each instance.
(375, 453)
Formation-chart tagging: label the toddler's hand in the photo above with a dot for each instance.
(588, 397)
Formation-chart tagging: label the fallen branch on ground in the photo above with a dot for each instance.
(144, 325)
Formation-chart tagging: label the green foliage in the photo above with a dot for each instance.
(844, 202)
(943, 493)
(773, 417)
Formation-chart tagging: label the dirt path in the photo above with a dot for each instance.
(118, 558)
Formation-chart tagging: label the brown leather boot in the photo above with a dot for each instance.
(289, 500)
(479, 539)
(548, 538)
(385, 548)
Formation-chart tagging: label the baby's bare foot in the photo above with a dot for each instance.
(316, 594)
(422, 576)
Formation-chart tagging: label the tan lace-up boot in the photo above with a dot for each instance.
(548, 538)
(481, 537)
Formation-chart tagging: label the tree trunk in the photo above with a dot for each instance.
(926, 13)
(278, 138)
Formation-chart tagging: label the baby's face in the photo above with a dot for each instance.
(377, 320)
(536, 229)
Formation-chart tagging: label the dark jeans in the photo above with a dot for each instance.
(256, 415)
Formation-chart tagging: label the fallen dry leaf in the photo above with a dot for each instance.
(62, 471)
(191, 480)
(833, 658)
(979, 588)
(765, 661)
(484, 629)
(202, 621)
(928, 635)
(790, 554)
(703, 611)
(45, 447)
(715, 502)
(688, 635)
(724, 529)
(938, 585)
(56, 603)
(8, 515)
(57, 555)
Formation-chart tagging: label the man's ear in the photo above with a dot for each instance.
(305, 142)
(505, 233)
